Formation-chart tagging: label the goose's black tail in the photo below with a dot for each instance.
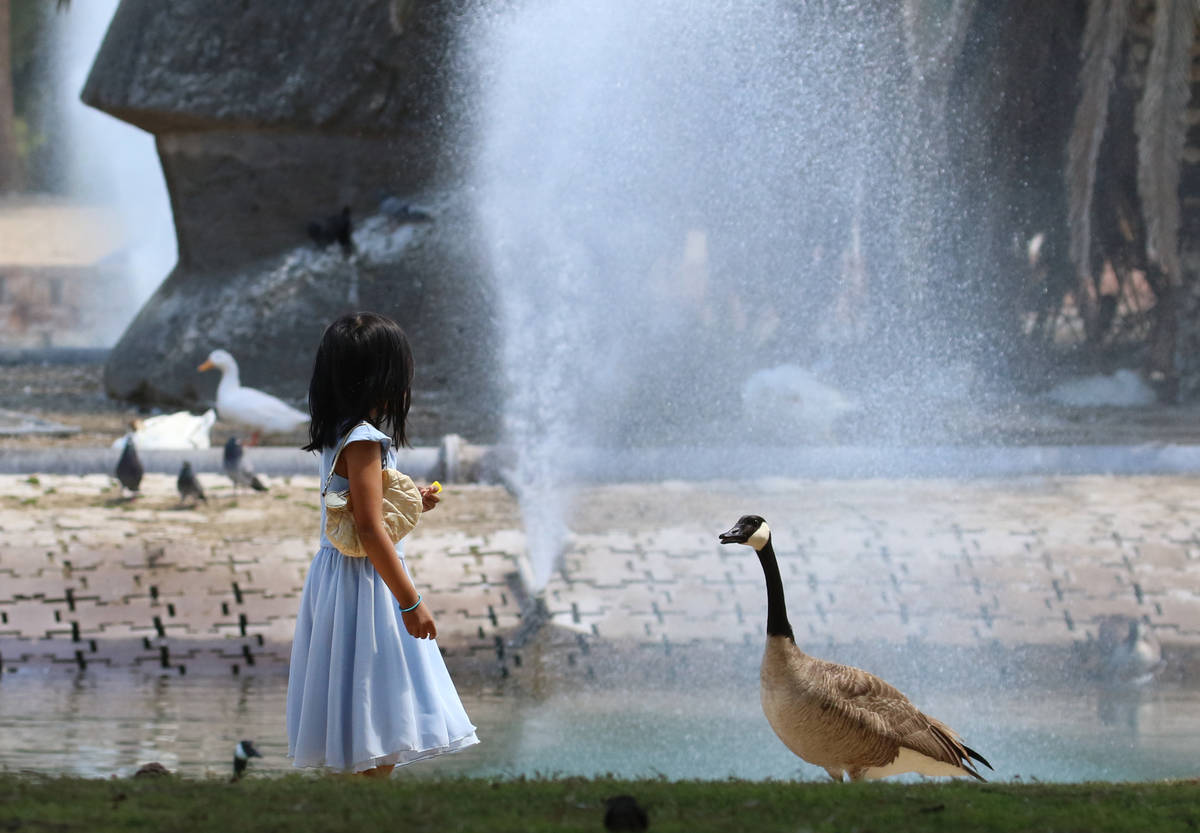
(971, 753)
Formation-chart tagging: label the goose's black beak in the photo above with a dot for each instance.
(737, 535)
(743, 530)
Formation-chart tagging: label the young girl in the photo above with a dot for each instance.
(367, 687)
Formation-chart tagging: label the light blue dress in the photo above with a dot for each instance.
(362, 692)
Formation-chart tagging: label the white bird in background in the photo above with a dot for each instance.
(254, 409)
(1130, 652)
(178, 430)
(1123, 389)
(790, 402)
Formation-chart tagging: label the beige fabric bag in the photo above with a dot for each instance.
(401, 508)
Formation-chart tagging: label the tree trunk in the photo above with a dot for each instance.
(1011, 109)
(9, 163)
(1164, 332)
(1188, 298)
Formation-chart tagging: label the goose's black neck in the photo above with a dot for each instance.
(777, 621)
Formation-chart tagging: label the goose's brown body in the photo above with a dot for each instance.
(847, 720)
(841, 718)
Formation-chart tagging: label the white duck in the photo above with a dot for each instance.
(1131, 653)
(178, 430)
(790, 402)
(254, 409)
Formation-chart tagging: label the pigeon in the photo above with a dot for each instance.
(336, 228)
(189, 486)
(129, 467)
(622, 812)
(401, 213)
(237, 469)
(241, 758)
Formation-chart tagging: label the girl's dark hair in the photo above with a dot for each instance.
(363, 364)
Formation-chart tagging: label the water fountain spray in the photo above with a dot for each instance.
(669, 195)
(111, 163)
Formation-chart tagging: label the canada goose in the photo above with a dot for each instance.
(249, 406)
(841, 718)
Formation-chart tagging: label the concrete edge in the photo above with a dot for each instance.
(456, 461)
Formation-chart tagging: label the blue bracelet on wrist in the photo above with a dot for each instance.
(416, 604)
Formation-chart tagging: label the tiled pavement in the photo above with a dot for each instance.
(86, 581)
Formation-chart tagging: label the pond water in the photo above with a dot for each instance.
(98, 725)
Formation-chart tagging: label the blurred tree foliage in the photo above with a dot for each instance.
(1066, 134)
(1081, 186)
(1047, 217)
(27, 159)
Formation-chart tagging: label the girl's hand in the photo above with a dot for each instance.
(419, 622)
(430, 497)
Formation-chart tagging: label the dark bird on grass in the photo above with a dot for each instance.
(188, 485)
(622, 812)
(238, 469)
(843, 719)
(129, 467)
(336, 228)
(403, 213)
(242, 754)
(151, 770)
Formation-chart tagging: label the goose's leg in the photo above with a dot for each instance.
(834, 774)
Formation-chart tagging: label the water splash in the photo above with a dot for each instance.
(673, 197)
(111, 163)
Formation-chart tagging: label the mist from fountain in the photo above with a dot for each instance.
(674, 197)
(111, 163)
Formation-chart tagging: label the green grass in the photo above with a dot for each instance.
(295, 804)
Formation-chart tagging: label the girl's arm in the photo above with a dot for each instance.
(366, 490)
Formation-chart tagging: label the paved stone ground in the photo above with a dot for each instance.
(89, 580)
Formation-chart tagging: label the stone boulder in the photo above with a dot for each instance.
(272, 116)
